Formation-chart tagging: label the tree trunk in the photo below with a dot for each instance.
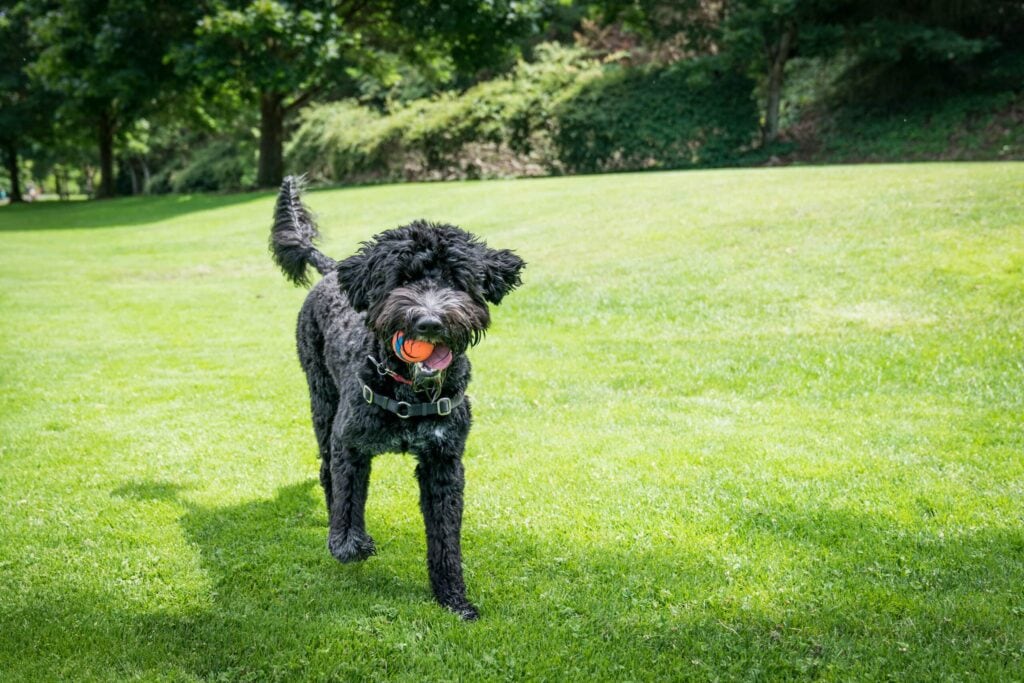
(771, 117)
(90, 186)
(106, 140)
(134, 175)
(11, 161)
(63, 183)
(778, 55)
(271, 164)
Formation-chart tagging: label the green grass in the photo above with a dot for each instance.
(752, 424)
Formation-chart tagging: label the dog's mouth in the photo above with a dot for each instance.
(427, 358)
(426, 355)
(439, 359)
(428, 374)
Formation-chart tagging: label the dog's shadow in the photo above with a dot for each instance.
(268, 580)
(271, 554)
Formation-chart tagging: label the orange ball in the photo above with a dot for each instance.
(411, 350)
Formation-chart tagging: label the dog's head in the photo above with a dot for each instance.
(431, 282)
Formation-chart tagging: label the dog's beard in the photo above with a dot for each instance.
(426, 380)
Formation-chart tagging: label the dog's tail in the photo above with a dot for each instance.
(293, 237)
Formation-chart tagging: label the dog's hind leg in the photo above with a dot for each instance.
(323, 394)
(323, 417)
(350, 482)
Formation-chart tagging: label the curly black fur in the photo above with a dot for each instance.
(294, 234)
(434, 279)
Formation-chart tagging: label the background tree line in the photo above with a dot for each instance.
(130, 96)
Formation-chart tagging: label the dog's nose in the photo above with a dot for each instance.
(428, 327)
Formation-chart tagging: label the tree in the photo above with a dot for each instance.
(106, 58)
(915, 39)
(25, 107)
(281, 54)
(926, 48)
(762, 34)
(757, 36)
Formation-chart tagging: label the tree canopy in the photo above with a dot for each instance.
(106, 61)
(25, 107)
(283, 54)
(135, 86)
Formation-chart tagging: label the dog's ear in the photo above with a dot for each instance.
(502, 270)
(354, 280)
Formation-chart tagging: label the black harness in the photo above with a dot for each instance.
(405, 410)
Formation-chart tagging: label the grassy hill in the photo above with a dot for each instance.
(737, 424)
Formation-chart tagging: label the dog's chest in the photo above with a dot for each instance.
(426, 438)
(414, 437)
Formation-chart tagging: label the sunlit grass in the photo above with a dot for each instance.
(736, 424)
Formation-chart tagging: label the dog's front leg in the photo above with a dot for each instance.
(350, 481)
(441, 482)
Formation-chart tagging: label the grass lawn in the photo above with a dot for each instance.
(751, 424)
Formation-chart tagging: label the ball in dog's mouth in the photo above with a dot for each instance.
(410, 349)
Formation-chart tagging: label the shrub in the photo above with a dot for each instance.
(494, 128)
(960, 127)
(905, 110)
(225, 164)
(562, 112)
(692, 113)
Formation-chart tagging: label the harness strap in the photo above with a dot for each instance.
(383, 369)
(404, 410)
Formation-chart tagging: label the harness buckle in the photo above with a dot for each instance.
(368, 394)
(402, 410)
(444, 406)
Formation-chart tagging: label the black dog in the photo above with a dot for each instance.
(428, 283)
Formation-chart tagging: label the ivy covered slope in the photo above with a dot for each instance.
(736, 424)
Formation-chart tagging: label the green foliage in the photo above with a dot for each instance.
(900, 49)
(107, 63)
(106, 54)
(329, 141)
(25, 106)
(693, 113)
(664, 19)
(221, 165)
(475, 34)
(750, 27)
(911, 90)
(347, 142)
(891, 41)
(266, 45)
(964, 127)
(77, 70)
(513, 111)
(287, 53)
(562, 112)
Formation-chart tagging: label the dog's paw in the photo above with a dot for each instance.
(351, 548)
(466, 610)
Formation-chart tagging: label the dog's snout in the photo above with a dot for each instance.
(428, 327)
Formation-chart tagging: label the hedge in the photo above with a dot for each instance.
(562, 113)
